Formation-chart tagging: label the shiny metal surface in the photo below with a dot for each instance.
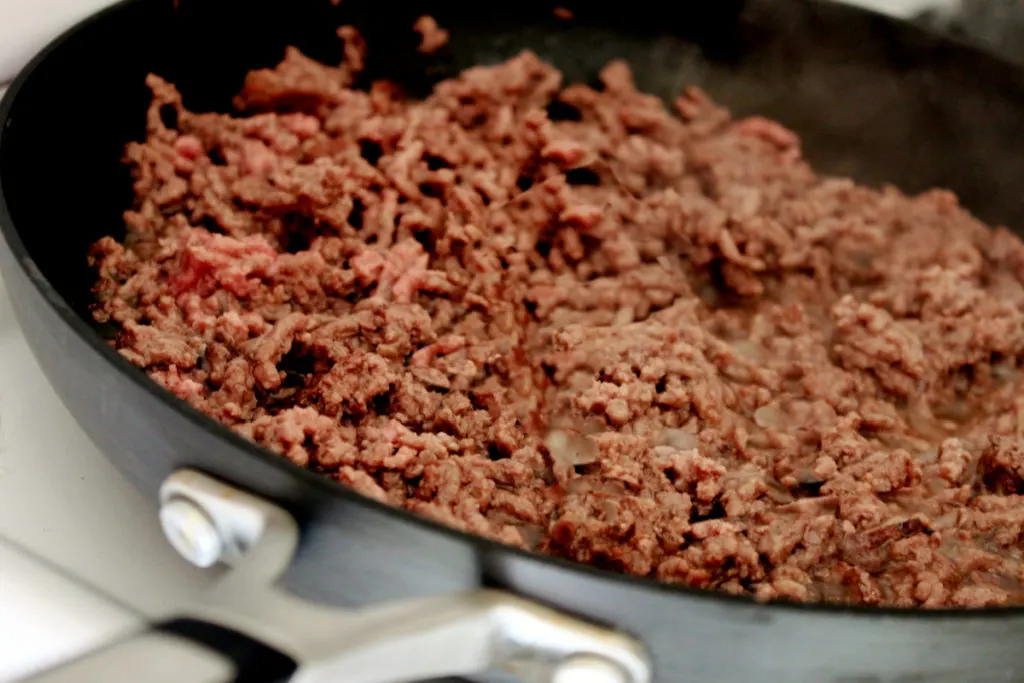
(452, 635)
(191, 533)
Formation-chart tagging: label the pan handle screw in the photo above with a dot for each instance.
(588, 669)
(191, 532)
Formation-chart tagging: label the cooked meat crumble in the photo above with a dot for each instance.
(572, 320)
(432, 36)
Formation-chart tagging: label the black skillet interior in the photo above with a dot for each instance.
(872, 98)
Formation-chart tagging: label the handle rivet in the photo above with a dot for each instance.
(588, 669)
(191, 532)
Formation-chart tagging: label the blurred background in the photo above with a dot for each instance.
(25, 25)
(995, 24)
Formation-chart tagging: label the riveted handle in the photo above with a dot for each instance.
(240, 630)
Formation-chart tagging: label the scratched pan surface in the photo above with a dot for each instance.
(872, 98)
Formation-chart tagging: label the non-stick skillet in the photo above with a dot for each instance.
(368, 593)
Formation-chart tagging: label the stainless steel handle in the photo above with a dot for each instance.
(209, 522)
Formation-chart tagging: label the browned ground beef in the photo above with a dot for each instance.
(432, 36)
(571, 320)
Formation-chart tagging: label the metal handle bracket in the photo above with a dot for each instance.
(465, 634)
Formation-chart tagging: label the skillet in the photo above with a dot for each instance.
(872, 98)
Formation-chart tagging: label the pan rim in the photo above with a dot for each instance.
(306, 478)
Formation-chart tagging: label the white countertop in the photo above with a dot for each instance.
(63, 505)
(27, 25)
(82, 556)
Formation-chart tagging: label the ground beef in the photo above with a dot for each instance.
(568, 319)
(432, 36)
